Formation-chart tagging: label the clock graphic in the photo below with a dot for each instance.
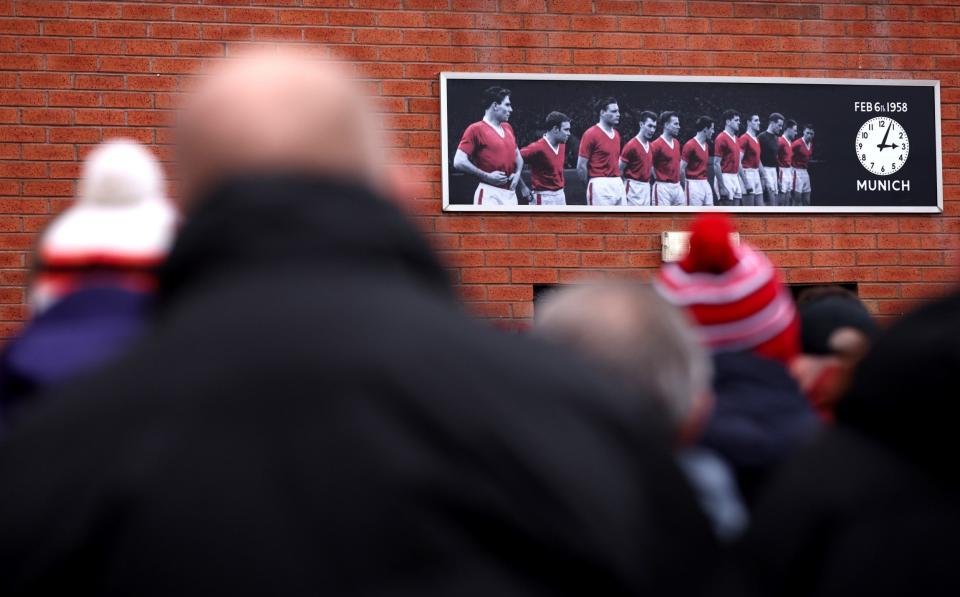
(882, 145)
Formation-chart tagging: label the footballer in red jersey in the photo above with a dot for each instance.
(785, 162)
(802, 151)
(726, 160)
(750, 160)
(488, 150)
(636, 162)
(693, 164)
(545, 157)
(665, 154)
(599, 156)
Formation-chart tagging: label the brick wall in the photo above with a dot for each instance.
(74, 73)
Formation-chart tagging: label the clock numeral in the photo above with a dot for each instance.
(865, 133)
(863, 157)
(859, 145)
(901, 157)
(869, 127)
(883, 168)
(883, 124)
(892, 126)
(893, 166)
(871, 165)
(901, 135)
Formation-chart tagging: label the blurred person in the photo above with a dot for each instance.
(636, 338)
(636, 162)
(598, 160)
(873, 506)
(94, 274)
(545, 156)
(694, 158)
(314, 414)
(836, 331)
(488, 150)
(748, 320)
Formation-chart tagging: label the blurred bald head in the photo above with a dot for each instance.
(634, 336)
(277, 112)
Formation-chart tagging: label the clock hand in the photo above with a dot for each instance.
(883, 144)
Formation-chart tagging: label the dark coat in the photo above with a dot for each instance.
(873, 507)
(314, 415)
(759, 418)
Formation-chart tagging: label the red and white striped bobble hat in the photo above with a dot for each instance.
(733, 293)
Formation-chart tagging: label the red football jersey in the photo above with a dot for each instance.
(638, 160)
(750, 147)
(696, 156)
(546, 165)
(727, 149)
(801, 153)
(489, 151)
(784, 153)
(666, 159)
(601, 152)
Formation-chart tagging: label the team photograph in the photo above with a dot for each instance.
(642, 145)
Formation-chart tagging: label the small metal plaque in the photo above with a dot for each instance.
(674, 245)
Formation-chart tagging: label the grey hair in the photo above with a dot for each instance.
(631, 333)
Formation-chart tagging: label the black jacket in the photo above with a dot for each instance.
(759, 418)
(313, 415)
(873, 506)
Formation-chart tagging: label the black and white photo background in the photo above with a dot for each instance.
(876, 146)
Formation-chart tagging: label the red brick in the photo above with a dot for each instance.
(87, 99)
(877, 257)
(581, 242)
(75, 135)
(251, 15)
(47, 188)
(44, 45)
(99, 82)
(69, 28)
(510, 293)
(855, 241)
(123, 64)
(898, 274)
(533, 276)
(810, 241)
(204, 14)
(569, 6)
(48, 152)
(22, 134)
(485, 275)
(22, 98)
(46, 116)
(111, 29)
(533, 241)
(829, 258)
(38, 8)
(146, 12)
(175, 30)
(19, 26)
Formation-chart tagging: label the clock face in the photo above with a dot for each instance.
(882, 145)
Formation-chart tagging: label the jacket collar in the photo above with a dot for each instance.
(271, 220)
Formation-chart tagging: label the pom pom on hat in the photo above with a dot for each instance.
(121, 222)
(121, 215)
(733, 293)
(710, 248)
